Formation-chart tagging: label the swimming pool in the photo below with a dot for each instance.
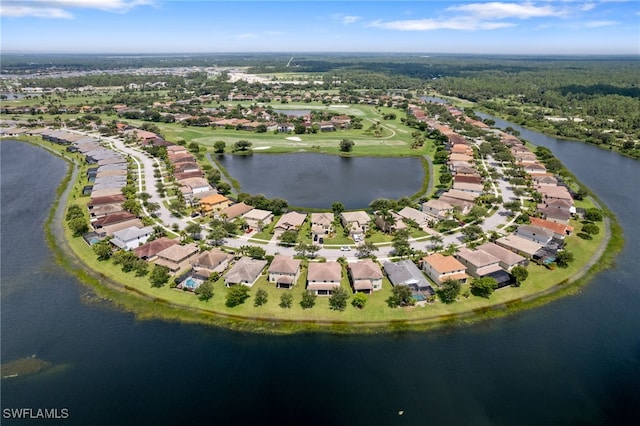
(418, 297)
(191, 283)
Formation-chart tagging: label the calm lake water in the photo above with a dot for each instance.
(318, 180)
(575, 361)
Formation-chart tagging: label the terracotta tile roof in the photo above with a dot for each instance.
(443, 264)
(152, 248)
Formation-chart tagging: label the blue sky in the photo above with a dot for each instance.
(470, 26)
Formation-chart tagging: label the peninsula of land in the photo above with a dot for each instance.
(157, 223)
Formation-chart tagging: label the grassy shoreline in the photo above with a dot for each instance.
(145, 305)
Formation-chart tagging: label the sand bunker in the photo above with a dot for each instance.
(294, 138)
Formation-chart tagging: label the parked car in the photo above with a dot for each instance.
(345, 248)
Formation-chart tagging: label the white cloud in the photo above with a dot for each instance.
(598, 24)
(490, 15)
(345, 19)
(18, 11)
(462, 23)
(501, 10)
(61, 8)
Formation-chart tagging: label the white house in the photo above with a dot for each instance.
(132, 237)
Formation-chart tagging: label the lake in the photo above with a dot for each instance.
(318, 180)
(574, 361)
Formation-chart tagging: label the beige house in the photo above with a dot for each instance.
(321, 224)
(234, 211)
(291, 221)
(356, 222)
(437, 209)
(324, 278)
(507, 258)
(440, 268)
(478, 263)
(516, 244)
(365, 275)
(258, 219)
(284, 271)
(210, 261)
(246, 271)
(176, 257)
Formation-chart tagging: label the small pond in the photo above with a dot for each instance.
(318, 180)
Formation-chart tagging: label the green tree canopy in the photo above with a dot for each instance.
(359, 300)
(338, 299)
(346, 145)
(483, 287)
(401, 295)
(286, 300)
(308, 299)
(449, 291)
(520, 273)
(236, 295)
(204, 291)
(159, 276)
(261, 297)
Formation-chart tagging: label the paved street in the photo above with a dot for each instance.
(147, 183)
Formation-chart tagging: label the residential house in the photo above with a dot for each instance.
(356, 222)
(365, 275)
(478, 263)
(290, 221)
(96, 202)
(324, 278)
(215, 202)
(389, 222)
(462, 206)
(507, 259)
(284, 271)
(516, 244)
(176, 257)
(560, 230)
(458, 178)
(536, 234)
(461, 195)
(476, 188)
(105, 209)
(550, 193)
(210, 261)
(533, 168)
(405, 272)
(132, 237)
(194, 186)
(234, 211)
(321, 224)
(112, 219)
(540, 180)
(245, 271)
(258, 219)
(437, 208)
(419, 218)
(150, 249)
(441, 268)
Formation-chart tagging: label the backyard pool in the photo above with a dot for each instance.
(191, 283)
